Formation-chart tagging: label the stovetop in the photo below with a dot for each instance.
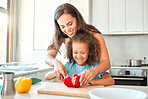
(129, 67)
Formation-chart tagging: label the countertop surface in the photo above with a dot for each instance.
(40, 67)
(34, 95)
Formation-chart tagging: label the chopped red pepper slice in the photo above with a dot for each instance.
(72, 81)
(68, 82)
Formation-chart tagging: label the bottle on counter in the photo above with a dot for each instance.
(8, 84)
(144, 61)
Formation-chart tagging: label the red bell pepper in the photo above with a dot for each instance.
(67, 81)
(75, 81)
(72, 81)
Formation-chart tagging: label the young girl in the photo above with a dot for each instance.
(83, 52)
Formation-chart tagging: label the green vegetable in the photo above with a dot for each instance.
(34, 80)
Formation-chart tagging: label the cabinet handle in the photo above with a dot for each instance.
(116, 31)
(127, 78)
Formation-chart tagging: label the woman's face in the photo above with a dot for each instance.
(80, 53)
(68, 24)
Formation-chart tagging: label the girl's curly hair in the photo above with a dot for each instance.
(93, 45)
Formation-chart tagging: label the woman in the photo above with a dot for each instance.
(68, 21)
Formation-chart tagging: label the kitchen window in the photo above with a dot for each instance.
(3, 30)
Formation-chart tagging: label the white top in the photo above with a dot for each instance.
(62, 56)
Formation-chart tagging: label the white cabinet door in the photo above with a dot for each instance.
(134, 16)
(116, 16)
(120, 16)
(100, 15)
(44, 22)
(36, 29)
(83, 7)
(145, 3)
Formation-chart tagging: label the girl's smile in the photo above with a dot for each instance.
(80, 53)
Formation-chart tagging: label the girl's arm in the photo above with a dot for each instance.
(106, 80)
(50, 75)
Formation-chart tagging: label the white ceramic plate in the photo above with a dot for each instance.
(116, 93)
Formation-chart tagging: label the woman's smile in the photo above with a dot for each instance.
(68, 24)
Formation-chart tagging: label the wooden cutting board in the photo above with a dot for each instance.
(61, 89)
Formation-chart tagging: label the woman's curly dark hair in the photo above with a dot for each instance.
(93, 45)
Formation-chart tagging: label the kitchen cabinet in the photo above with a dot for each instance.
(134, 16)
(37, 33)
(44, 22)
(83, 6)
(44, 19)
(117, 16)
(120, 16)
(100, 15)
(145, 16)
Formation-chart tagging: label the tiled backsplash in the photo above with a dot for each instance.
(121, 48)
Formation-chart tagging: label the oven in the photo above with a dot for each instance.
(129, 76)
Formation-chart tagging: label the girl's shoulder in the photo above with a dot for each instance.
(96, 63)
(68, 64)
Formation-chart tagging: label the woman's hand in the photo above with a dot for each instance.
(60, 71)
(86, 76)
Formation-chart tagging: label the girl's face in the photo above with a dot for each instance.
(68, 24)
(80, 53)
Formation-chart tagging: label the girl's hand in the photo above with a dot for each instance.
(86, 76)
(60, 71)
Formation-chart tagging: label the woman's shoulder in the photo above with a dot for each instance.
(93, 29)
(97, 35)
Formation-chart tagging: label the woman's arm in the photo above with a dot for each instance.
(88, 75)
(49, 75)
(106, 80)
(59, 69)
(104, 57)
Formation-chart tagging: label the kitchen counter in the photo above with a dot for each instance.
(40, 68)
(34, 95)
